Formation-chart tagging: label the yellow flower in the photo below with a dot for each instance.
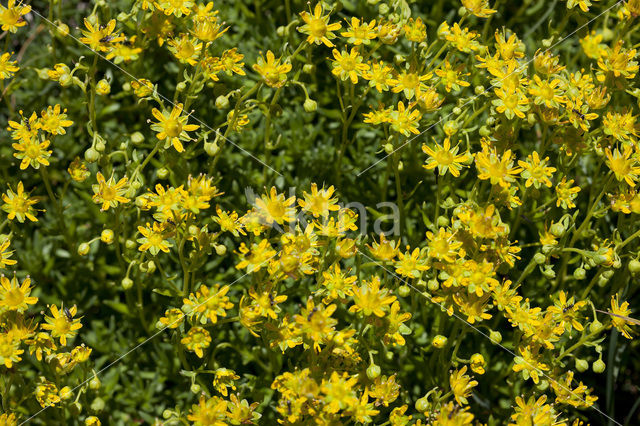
(62, 324)
(316, 322)
(54, 121)
(208, 412)
(19, 205)
(7, 67)
(99, 37)
(172, 127)
(274, 207)
(511, 102)
(566, 193)
(499, 170)
(415, 31)
(207, 304)
(109, 193)
(443, 246)
(528, 363)
(32, 153)
(47, 394)
(153, 239)
(624, 165)
(317, 27)
(461, 38)
(15, 296)
(546, 92)
(535, 171)
(9, 350)
(266, 302)
(623, 126)
(5, 254)
(618, 61)
(379, 76)
(618, 312)
(78, 170)
(370, 298)
(175, 7)
(479, 8)
(452, 78)
(196, 340)
(477, 363)
(445, 158)
(359, 32)
(319, 203)
(185, 49)
(348, 65)
(461, 385)
(405, 120)
(236, 123)
(11, 16)
(410, 83)
(273, 73)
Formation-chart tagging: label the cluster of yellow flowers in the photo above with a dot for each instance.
(326, 323)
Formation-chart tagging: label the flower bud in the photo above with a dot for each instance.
(433, 285)
(634, 266)
(422, 404)
(126, 283)
(163, 173)
(579, 274)
(100, 146)
(103, 87)
(94, 383)
(388, 148)
(181, 86)
(557, 229)
(130, 244)
(75, 408)
(439, 341)
(91, 155)
(308, 68)
(222, 102)
(62, 29)
(581, 365)
(107, 236)
(83, 249)
(195, 388)
(495, 337)
(97, 404)
(595, 326)
(166, 414)
(539, 258)
(137, 138)
(211, 148)
(373, 371)
(310, 105)
(151, 266)
(65, 80)
(221, 249)
(404, 290)
(598, 366)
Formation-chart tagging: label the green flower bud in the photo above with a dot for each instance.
(107, 236)
(581, 365)
(65, 80)
(221, 249)
(310, 105)
(598, 366)
(404, 290)
(75, 408)
(83, 249)
(383, 9)
(91, 155)
(595, 326)
(130, 244)
(373, 371)
(308, 68)
(166, 414)
(557, 229)
(137, 138)
(126, 283)
(181, 86)
(579, 274)
(163, 173)
(495, 337)
(442, 221)
(484, 131)
(94, 383)
(539, 258)
(543, 385)
(222, 102)
(388, 148)
(195, 388)
(456, 111)
(433, 285)
(97, 404)
(151, 266)
(100, 146)
(422, 404)
(211, 148)
(439, 341)
(634, 266)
